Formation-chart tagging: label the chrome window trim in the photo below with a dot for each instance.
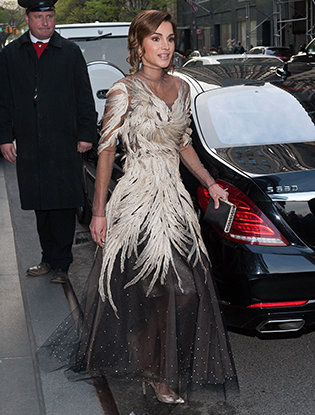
(292, 197)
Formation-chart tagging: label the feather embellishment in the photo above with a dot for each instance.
(150, 212)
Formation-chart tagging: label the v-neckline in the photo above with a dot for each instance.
(169, 106)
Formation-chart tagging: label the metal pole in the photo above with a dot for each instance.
(247, 25)
(312, 19)
(275, 23)
(280, 25)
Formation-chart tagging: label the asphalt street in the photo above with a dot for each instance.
(276, 375)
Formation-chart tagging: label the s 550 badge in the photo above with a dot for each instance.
(282, 189)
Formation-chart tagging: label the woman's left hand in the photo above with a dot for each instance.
(217, 192)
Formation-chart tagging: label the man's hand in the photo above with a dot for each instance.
(9, 152)
(83, 146)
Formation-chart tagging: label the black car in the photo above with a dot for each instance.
(304, 60)
(280, 52)
(254, 131)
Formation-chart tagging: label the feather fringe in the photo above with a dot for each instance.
(150, 207)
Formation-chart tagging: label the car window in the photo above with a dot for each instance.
(192, 63)
(205, 53)
(279, 52)
(111, 49)
(248, 115)
(311, 47)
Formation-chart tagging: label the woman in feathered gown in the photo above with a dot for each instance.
(155, 314)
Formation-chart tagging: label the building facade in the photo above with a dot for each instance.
(204, 24)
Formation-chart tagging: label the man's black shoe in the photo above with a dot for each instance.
(40, 269)
(59, 276)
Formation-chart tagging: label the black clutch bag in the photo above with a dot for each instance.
(222, 217)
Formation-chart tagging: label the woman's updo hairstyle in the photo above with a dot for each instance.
(142, 26)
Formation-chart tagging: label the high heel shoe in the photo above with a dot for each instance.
(170, 397)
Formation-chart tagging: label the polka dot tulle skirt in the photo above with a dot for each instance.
(176, 333)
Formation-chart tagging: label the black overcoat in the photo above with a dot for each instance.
(47, 105)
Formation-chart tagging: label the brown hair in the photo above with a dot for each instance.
(142, 26)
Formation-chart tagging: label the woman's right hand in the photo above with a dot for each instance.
(98, 228)
(216, 192)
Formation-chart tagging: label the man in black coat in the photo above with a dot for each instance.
(239, 48)
(47, 106)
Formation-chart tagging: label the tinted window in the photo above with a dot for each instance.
(249, 115)
(205, 53)
(278, 52)
(256, 51)
(192, 63)
(110, 49)
(311, 47)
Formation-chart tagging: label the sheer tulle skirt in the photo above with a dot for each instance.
(174, 334)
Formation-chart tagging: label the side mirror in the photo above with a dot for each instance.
(303, 49)
(284, 72)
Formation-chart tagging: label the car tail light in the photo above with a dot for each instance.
(279, 304)
(250, 226)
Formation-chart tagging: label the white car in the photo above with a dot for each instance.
(198, 53)
(104, 47)
(100, 41)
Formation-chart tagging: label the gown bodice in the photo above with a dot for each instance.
(150, 204)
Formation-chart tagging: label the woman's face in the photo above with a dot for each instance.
(159, 47)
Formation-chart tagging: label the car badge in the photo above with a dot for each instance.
(282, 189)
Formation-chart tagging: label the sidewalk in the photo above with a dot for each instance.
(18, 381)
(30, 309)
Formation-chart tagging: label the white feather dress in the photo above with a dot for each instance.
(151, 309)
(150, 204)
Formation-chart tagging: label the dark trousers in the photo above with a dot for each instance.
(56, 232)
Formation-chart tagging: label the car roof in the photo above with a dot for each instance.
(245, 91)
(240, 73)
(93, 30)
(271, 47)
(233, 58)
(278, 47)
